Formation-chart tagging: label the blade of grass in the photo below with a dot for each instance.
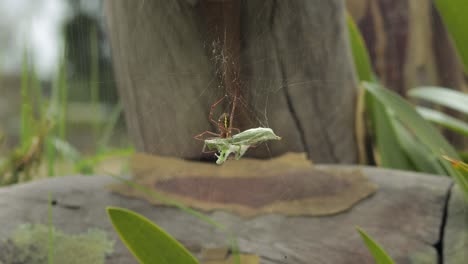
(51, 155)
(103, 142)
(94, 75)
(443, 96)
(26, 109)
(444, 120)
(51, 231)
(359, 51)
(63, 96)
(36, 92)
(380, 256)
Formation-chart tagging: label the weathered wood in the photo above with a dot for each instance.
(404, 216)
(289, 185)
(163, 74)
(296, 76)
(456, 229)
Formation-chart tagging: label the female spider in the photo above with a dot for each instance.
(223, 124)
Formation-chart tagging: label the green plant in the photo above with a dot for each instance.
(43, 127)
(379, 254)
(445, 97)
(404, 139)
(148, 242)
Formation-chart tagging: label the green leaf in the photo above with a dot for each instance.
(422, 129)
(443, 96)
(391, 155)
(416, 151)
(390, 151)
(148, 242)
(454, 15)
(380, 256)
(359, 51)
(444, 120)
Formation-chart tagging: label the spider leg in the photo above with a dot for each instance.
(209, 151)
(231, 116)
(213, 106)
(199, 136)
(235, 129)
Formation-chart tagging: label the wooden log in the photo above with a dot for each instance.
(404, 216)
(456, 229)
(296, 76)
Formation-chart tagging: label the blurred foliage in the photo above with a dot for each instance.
(29, 244)
(43, 143)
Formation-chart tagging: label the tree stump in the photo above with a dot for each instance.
(295, 74)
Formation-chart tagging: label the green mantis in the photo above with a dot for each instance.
(239, 143)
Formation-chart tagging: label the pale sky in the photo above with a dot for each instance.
(35, 25)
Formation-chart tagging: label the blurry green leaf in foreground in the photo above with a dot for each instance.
(454, 15)
(148, 242)
(424, 132)
(380, 256)
(443, 96)
(444, 120)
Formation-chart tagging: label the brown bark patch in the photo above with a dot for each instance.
(287, 185)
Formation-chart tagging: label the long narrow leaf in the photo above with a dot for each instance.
(442, 96)
(359, 51)
(426, 133)
(417, 152)
(454, 15)
(390, 151)
(26, 107)
(444, 120)
(380, 256)
(148, 242)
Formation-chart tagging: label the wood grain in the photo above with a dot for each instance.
(404, 216)
(296, 76)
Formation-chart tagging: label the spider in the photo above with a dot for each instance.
(227, 143)
(223, 124)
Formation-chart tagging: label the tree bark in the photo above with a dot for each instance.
(294, 68)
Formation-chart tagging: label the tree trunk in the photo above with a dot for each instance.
(291, 67)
